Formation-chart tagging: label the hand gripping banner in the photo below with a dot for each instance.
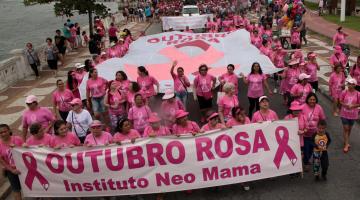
(162, 164)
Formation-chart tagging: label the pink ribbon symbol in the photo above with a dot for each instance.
(30, 163)
(283, 147)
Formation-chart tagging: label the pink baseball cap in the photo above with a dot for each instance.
(303, 76)
(96, 123)
(180, 114)
(154, 118)
(215, 114)
(31, 99)
(76, 101)
(351, 81)
(295, 105)
(294, 61)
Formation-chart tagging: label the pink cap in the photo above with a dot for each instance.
(180, 114)
(295, 105)
(31, 99)
(76, 101)
(154, 118)
(294, 62)
(338, 48)
(351, 81)
(215, 114)
(96, 123)
(302, 64)
(303, 76)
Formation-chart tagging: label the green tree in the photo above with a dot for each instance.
(69, 7)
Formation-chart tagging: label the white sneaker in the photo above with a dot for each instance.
(275, 90)
(246, 188)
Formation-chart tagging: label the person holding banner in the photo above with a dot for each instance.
(228, 101)
(238, 117)
(295, 109)
(97, 136)
(8, 141)
(204, 85)
(183, 125)
(125, 132)
(38, 136)
(313, 113)
(181, 83)
(265, 113)
(139, 114)
(213, 123)
(155, 129)
(63, 137)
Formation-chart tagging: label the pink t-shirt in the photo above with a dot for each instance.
(227, 103)
(336, 82)
(207, 127)
(169, 109)
(80, 76)
(230, 78)
(69, 139)
(295, 37)
(139, 116)
(270, 115)
(118, 100)
(257, 41)
(279, 60)
(44, 141)
(96, 87)
(350, 98)
(63, 99)
(266, 50)
(340, 58)
(203, 85)
(180, 82)
(355, 73)
(311, 69)
(256, 85)
(112, 31)
(119, 137)
(41, 115)
(191, 127)
(147, 85)
(339, 38)
(103, 139)
(5, 150)
(312, 118)
(162, 131)
(302, 126)
(234, 122)
(297, 89)
(123, 86)
(291, 78)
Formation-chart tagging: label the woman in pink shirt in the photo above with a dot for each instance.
(230, 77)
(312, 113)
(265, 113)
(339, 37)
(266, 48)
(139, 114)
(204, 84)
(61, 99)
(122, 82)
(183, 125)
(300, 90)
(338, 57)
(115, 101)
(227, 102)
(169, 106)
(295, 38)
(7, 142)
(238, 117)
(95, 93)
(349, 113)
(256, 82)
(355, 73)
(79, 72)
(125, 132)
(155, 129)
(336, 85)
(311, 68)
(256, 39)
(181, 83)
(295, 109)
(134, 89)
(63, 137)
(38, 136)
(147, 83)
(36, 114)
(290, 77)
(213, 123)
(97, 136)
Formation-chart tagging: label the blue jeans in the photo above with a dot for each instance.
(308, 149)
(182, 96)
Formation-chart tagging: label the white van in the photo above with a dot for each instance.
(190, 9)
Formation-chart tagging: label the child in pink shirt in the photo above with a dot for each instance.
(147, 82)
(183, 125)
(139, 114)
(213, 123)
(38, 137)
(169, 106)
(125, 132)
(155, 128)
(63, 138)
(311, 68)
(265, 113)
(97, 136)
(238, 117)
(336, 85)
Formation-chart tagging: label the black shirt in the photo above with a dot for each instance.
(60, 41)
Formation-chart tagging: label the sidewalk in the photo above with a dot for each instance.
(319, 25)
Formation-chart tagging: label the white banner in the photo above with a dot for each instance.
(162, 164)
(180, 22)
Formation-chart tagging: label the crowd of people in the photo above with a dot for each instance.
(119, 110)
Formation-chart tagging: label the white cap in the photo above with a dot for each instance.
(351, 81)
(77, 65)
(169, 93)
(303, 76)
(80, 66)
(262, 98)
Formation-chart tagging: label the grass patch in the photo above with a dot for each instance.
(352, 22)
(311, 5)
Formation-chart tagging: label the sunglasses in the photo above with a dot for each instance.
(96, 127)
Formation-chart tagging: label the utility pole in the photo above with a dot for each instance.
(342, 10)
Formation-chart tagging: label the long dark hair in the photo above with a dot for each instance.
(142, 69)
(135, 87)
(7, 127)
(311, 94)
(57, 125)
(87, 65)
(253, 70)
(123, 74)
(91, 71)
(71, 82)
(121, 124)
